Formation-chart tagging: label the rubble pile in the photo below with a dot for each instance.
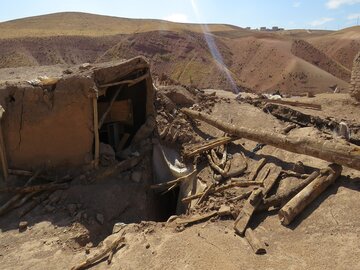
(171, 123)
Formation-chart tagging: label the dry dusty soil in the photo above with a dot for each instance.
(325, 236)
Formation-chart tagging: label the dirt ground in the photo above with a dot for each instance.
(325, 236)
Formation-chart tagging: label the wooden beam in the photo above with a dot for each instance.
(256, 245)
(96, 133)
(195, 149)
(4, 163)
(101, 122)
(291, 103)
(298, 203)
(334, 151)
(129, 82)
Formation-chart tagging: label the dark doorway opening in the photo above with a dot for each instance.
(125, 114)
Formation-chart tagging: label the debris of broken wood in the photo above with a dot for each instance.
(312, 106)
(8, 205)
(121, 166)
(111, 243)
(256, 245)
(272, 174)
(334, 151)
(298, 203)
(223, 211)
(282, 198)
(195, 149)
(173, 182)
(222, 188)
(257, 168)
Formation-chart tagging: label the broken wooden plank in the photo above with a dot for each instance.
(256, 245)
(6, 207)
(298, 203)
(242, 196)
(173, 182)
(193, 150)
(105, 250)
(103, 117)
(257, 168)
(241, 222)
(222, 188)
(195, 218)
(306, 105)
(335, 151)
(282, 198)
(205, 193)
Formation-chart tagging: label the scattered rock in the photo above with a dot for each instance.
(85, 66)
(147, 246)
(23, 226)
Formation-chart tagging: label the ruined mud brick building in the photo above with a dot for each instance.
(355, 78)
(59, 121)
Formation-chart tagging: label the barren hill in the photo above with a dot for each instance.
(215, 56)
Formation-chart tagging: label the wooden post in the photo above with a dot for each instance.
(96, 133)
(256, 197)
(307, 195)
(103, 117)
(256, 245)
(4, 162)
(335, 151)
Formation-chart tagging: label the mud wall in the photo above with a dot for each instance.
(48, 127)
(355, 78)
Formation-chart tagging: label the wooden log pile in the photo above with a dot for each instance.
(249, 192)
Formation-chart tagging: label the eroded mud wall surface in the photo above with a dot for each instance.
(52, 128)
(355, 78)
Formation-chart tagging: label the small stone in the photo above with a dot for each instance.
(23, 226)
(147, 246)
(180, 228)
(85, 66)
(100, 218)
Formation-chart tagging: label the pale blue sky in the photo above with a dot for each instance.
(290, 14)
